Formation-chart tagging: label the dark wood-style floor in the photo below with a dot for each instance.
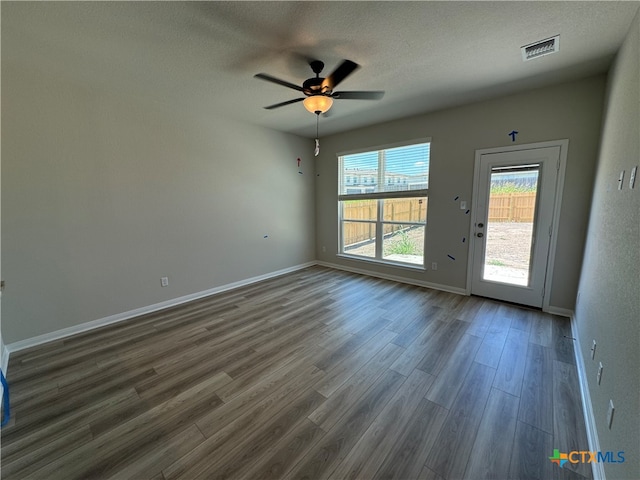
(315, 374)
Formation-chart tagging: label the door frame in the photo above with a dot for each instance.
(557, 204)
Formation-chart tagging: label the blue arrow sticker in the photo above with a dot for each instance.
(513, 135)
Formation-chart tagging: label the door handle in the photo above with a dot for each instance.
(479, 235)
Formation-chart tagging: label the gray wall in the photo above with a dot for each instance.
(608, 309)
(571, 110)
(103, 194)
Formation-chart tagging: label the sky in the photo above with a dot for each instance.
(410, 160)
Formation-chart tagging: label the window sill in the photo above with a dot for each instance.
(387, 263)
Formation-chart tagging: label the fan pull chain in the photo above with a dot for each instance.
(317, 150)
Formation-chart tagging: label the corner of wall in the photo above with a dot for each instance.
(4, 355)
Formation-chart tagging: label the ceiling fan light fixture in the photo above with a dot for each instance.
(318, 103)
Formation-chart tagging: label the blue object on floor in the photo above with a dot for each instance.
(5, 400)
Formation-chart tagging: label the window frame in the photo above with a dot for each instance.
(380, 197)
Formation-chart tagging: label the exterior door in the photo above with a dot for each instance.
(514, 199)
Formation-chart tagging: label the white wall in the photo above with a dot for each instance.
(571, 110)
(103, 194)
(608, 309)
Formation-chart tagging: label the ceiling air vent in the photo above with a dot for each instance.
(541, 48)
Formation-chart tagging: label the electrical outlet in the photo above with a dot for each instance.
(434, 265)
(324, 249)
(164, 282)
(600, 367)
(593, 350)
(610, 411)
(463, 205)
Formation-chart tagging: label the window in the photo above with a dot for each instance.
(385, 220)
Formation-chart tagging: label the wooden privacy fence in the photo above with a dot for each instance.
(512, 207)
(395, 210)
(503, 207)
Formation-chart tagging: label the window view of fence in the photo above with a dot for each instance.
(403, 227)
(360, 215)
(512, 203)
(512, 207)
(395, 210)
(382, 201)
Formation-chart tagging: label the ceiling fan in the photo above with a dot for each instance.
(319, 94)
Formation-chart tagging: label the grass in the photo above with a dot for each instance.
(402, 245)
(497, 263)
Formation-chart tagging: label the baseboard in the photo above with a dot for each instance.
(563, 312)
(395, 278)
(587, 409)
(119, 317)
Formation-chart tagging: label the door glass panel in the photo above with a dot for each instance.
(510, 224)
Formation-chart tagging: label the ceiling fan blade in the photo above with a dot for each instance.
(372, 95)
(346, 68)
(282, 104)
(284, 83)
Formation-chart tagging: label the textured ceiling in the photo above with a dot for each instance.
(203, 55)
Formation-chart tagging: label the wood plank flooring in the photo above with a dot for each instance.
(316, 374)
